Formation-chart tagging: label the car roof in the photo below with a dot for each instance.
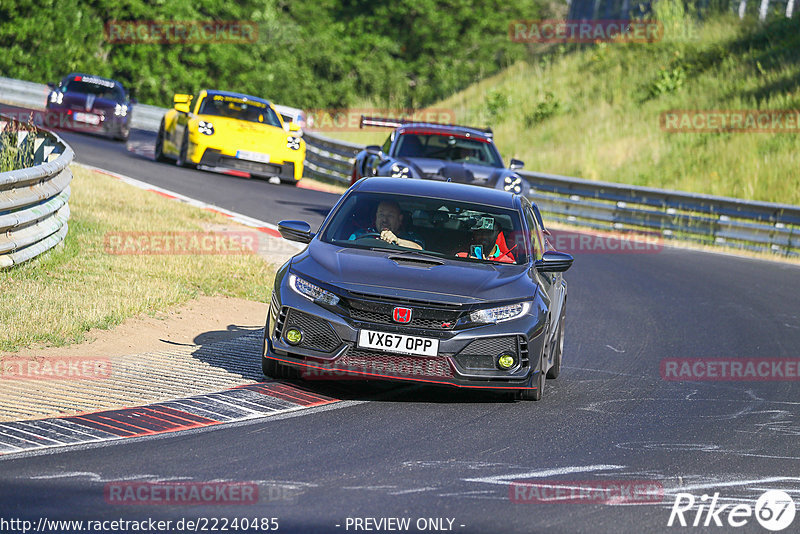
(238, 95)
(444, 129)
(75, 74)
(437, 189)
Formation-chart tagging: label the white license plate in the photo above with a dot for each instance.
(252, 156)
(386, 341)
(88, 118)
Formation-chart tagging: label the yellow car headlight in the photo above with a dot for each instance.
(205, 127)
(293, 142)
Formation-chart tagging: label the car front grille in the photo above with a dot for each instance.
(380, 312)
(481, 354)
(381, 363)
(317, 334)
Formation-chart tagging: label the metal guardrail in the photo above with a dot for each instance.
(33, 200)
(600, 205)
(610, 206)
(34, 96)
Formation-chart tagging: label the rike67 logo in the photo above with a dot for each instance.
(774, 510)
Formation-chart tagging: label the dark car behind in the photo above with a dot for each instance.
(430, 151)
(91, 104)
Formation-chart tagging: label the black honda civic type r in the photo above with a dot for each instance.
(431, 282)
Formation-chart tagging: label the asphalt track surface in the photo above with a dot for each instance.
(414, 452)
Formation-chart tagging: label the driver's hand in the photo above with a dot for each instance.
(389, 237)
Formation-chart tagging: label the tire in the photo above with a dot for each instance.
(273, 369)
(124, 133)
(183, 160)
(269, 367)
(557, 350)
(159, 148)
(536, 394)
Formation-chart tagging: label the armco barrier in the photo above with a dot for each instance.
(600, 205)
(34, 96)
(33, 200)
(610, 206)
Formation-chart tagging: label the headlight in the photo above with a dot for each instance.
(312, 292)
(120, 110)
(205, 127)
(513, 184)
(293, 142)
(399, 171)
(56, 97)
(501, 313)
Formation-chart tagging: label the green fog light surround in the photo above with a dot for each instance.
(294, 336)
(506, 361)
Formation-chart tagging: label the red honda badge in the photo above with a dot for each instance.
(402, 315)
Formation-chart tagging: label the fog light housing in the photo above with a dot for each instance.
(506, 361)
(294, 336)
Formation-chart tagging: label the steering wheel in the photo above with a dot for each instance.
(376, 235)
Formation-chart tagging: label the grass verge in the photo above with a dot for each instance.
(55, 299)
(595, 111)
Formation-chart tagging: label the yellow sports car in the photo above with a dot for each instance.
(231, 131)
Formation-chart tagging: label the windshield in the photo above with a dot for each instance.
(448, 147)
(240, 108)
(95, 86)
(444, 228)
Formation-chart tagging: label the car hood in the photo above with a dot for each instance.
(374, 272)
(458, 172)
(247, 128)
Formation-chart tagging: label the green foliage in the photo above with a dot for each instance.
(323, 54)
(497, 103)
(16, 146)
(543, 110)
(668, 80)
(603, 123)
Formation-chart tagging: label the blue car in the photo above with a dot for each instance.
(91, 104)
(444, 152)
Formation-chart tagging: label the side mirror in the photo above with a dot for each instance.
(554, 262)
(52, 85)
(299, 231)
(181, 102)
(374, 150)
(294, 127)
(516, 164)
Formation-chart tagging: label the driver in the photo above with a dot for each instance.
(389, 218)
(488, 242)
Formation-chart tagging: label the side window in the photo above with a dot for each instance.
(388, 144)
(537, 239)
